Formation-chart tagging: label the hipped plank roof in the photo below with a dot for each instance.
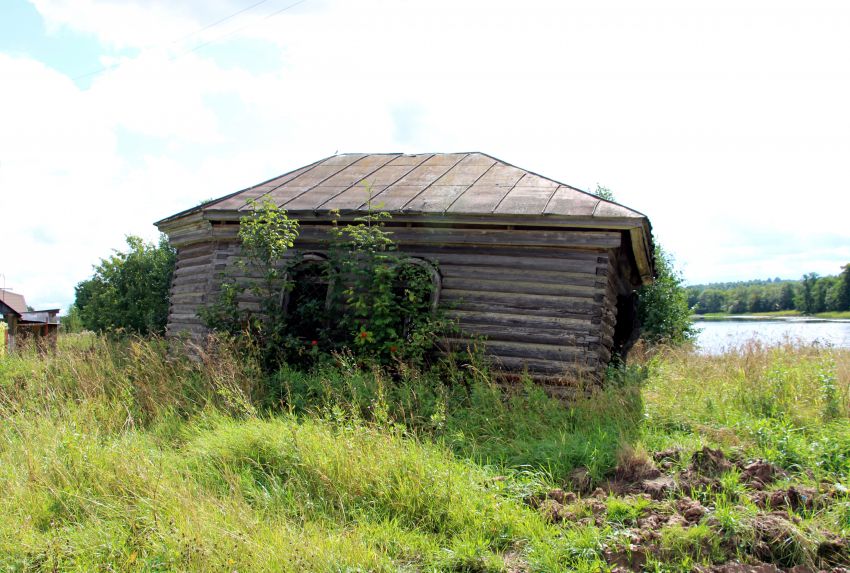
(428, 183)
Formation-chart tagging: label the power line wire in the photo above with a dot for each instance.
(217, 22)
(196, 32)
(227, 35)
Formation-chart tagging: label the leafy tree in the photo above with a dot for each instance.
(72, 322)
(663, 305)
(841, 290)
(786, 297)
(823, 289)
(805, 299)
(129, 290)
(710, 300)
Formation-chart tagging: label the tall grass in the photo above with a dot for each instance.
(128, 456)
(789, 404)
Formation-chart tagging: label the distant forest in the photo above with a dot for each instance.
(810, 295)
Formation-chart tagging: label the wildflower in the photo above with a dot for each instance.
(363, 334)
(314, 343)
(393, 348)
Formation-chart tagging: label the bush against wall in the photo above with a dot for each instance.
(663, 310)
(364, 297)
(129, 290)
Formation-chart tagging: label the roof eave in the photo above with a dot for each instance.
(639, 228)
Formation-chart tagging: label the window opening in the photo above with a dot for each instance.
(417, 293)
(306, 302)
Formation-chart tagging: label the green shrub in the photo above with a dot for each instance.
(129, 291)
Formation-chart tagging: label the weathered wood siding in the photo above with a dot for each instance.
(544, 300)
(190, 289)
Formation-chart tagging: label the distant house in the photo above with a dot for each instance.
(544, 271)
(41, 325)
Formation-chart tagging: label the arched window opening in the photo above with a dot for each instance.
(305, 303)
(417, 293)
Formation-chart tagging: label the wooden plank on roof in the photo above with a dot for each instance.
(239, 200)
(501, 175)
(568, 201)
(283, 195)
(423, 175)
(395, 197)
(479, 198)
(313, 198)
(317, 175)
(606, 209)
(435, 198)
(357, 171)
(525, 200)
(388, 174)
(353, 197)
(466, 172)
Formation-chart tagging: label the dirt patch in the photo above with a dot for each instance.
(658, 488)
(795, 498)
(690, 509)
(709, 462)
(759, 473)
(632, 558)
(774, 540)
(834, 552)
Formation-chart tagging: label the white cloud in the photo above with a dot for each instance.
(709, 120)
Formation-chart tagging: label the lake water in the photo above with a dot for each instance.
(720, 335)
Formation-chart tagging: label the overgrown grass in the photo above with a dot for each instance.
(125, 456)
(787, 404)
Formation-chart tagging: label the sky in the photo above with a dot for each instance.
(727, 123)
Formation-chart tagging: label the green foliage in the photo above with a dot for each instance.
(663, 308)
(806, 301)
(266, 234)
(810, 295)
(365, 298)
(604, 193)
(382, 299)
(473, 416)
(129, 290)
(71, 322)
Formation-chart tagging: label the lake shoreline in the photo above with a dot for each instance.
(756, 317)
(716, 335)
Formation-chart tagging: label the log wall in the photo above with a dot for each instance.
(545, 300)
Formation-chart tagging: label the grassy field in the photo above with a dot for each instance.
(123, 457)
